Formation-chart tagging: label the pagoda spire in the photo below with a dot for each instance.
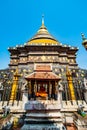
(43, 20)
(42, 36)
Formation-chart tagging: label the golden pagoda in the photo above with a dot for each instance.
(43, 37)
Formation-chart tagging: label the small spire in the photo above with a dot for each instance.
(83, 37)
(43, 19)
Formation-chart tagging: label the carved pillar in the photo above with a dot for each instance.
(70, 84)
(56, 90)
(35, 89)
(46, 88)
(50, 90)
(60, 94)
(29, 92)
(38, 87)
(14, 86)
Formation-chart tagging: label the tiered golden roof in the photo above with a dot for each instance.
(43, 37)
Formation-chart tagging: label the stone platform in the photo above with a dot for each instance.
(43, 115)
(40, 112)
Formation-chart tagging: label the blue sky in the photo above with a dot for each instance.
(20, 20)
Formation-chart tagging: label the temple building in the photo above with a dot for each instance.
(42, 49)
(45, 83)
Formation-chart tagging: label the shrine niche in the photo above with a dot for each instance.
(42, 83)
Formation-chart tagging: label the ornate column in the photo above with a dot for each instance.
(14, 86)
(60, 86)
(70, 84)
(29, 90)
(35, 89)
(50, 90)
(46, 88)
(56, 91)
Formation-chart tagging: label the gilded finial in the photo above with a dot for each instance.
(83, 37)
(43, 19)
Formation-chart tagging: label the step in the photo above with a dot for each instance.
(56, 114)
(42, 120)
(42, 127)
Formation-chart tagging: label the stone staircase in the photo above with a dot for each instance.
(43, 115)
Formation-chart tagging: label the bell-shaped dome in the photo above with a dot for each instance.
(43, 37)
